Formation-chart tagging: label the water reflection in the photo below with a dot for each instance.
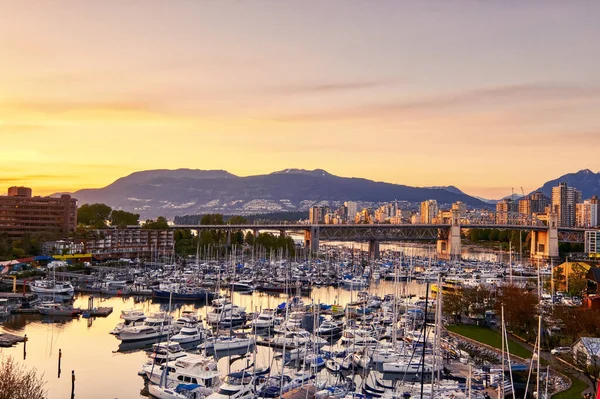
(105, 368)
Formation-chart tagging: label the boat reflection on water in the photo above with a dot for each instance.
(126, 347)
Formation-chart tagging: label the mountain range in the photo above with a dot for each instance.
(170, 193)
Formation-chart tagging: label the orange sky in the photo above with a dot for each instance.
(482, 95)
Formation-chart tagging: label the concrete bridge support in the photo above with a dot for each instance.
(311, 239)
(544, 244)
(450, 247)
(373, 249)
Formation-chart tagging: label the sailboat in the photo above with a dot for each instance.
(52, 308)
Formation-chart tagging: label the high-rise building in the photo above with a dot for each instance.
(506, 211)
(592, 243)
(564, 199)
(460, 206)
(20, 213)
(316, 214)
(429, 211)
(586, 214)
(352, 209)
(539, 202)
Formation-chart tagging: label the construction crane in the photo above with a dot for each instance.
(522, 191)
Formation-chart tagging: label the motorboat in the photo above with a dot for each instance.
(131, 319)
(180, 391)
(243, 286)
(240, 385)
(45, 286)
(329, 327)
(406, 367)
(189, 333)
(155, 327)
(166, 351)
(231, 343)
(296, 339)
(194, 369)
(276, 385)
(266, 319)
(187, 317)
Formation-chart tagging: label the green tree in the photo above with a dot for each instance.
(237, 220)
(454, 304)
(212, 219)
(94, 215)
(577, 280)
(520, 308)
(249, 239)
(503, 236)
(494, 235)
(123, 218)
(474, 235)
(159, 224)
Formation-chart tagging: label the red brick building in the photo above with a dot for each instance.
(21, 213)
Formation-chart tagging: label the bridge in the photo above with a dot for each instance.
(545, 236)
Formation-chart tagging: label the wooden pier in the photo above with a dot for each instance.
(97, 312)
(305, 392)
(7, 340)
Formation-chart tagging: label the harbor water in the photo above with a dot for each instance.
(103, 368)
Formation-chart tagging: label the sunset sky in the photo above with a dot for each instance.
(484, 95)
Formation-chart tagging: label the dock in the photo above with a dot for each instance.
(8, 340)
(97, 312)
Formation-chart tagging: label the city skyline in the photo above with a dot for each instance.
(483, 96)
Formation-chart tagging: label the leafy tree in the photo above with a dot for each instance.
(18, 383)
(520, 308)
(237, 220)
(249, 239)
(479, 299)
(454, 304)
(159, 224)
(577, 280)
(212, 219)
(503, 236)
(123, 218)
(494, 235)
(94, 215)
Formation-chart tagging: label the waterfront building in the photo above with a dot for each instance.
(586, 214)
(351, 210)
(460, 206)
(131, 243)
(564, 200)
(20, 213)
(592, 242)
(429, 210)
(62, 247)
(505, 211)
(316, 214)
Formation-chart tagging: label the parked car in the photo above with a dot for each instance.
(561, 350)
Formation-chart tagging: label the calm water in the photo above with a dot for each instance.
(104, 372)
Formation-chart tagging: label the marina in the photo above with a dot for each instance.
(353, 325)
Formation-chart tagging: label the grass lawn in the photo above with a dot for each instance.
(574, 392)
(489, 337)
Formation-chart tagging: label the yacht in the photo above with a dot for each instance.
(266, 319)
(295, 339)
(155, 327)
(230, 343)
(189, 333)
(240, 385)
(194, 369)
(166, 351)
(276, 385)
(130, 319)
(329, 327)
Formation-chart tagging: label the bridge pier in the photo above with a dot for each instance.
(450, 247)
(228, 239)
(544, 244)
(311, 238)
(373, 249)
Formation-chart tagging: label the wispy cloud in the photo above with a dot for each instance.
(498, 96)
(331, 87)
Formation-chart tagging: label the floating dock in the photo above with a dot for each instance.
(7, 340)
(97, 312)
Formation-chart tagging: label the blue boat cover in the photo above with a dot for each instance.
(186, 387)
